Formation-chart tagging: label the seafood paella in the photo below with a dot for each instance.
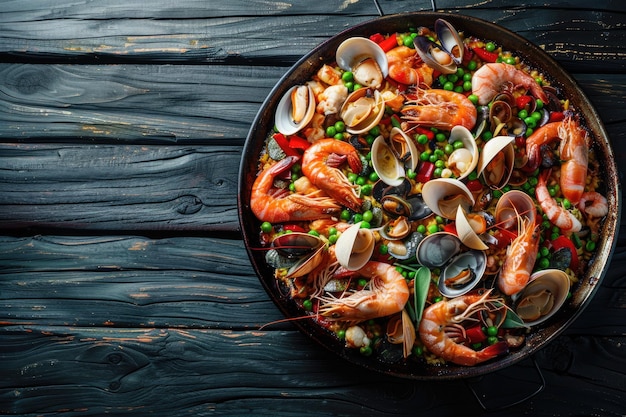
(428, 196)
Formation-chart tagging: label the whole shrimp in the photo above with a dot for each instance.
(386, 293)
(316, 167)
(440, 108)
(406, 67)
(440, 324)
(559, 216)
(491, 78)
(573, 150)
(275, 205)
(520, 258)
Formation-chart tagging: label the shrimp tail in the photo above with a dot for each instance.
(491, 351)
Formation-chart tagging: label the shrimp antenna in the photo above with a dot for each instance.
(289, 319)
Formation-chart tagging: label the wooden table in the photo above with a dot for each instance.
(124, 283)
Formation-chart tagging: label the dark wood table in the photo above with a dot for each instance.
(124, 283)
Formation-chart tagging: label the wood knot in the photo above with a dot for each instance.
(188, 204)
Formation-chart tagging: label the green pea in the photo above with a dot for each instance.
(338, 136)
(383, 249)
(490, 47)
(341, 334)
(472, 176)
(467, 85)
(360, 180)
(439, 163)
(332, 239)
(349, 85)
(472, 65)
(544, 251)
(314, 232)
(292, 187)
(332, 231)
(492, 331)
(340, 126)
(448, 149)
(411, 174)
(460, 72)
(453, 78)
(266, 227)
(530, 122)
(539, 104)
(437, 172)
(467, 77)
(510, 60)
(536, 115)
(544, 263)
(458, 89)
(366, 189)
(433, 228)
(422, 139)
(458, 144)
(448, 86)
(331, 131)
(357, 86)
(440, 137)
(590, 246)
(307, 304)
(358, 217)
(368, 215)
(487, 135)
(424, 156)
(375, 131)
(408, 42)
(432, 158)
(418, 350)
(421, 229)
(347, 77)
(566, 204)
(473, 98)
(373, 177)
(366, 350)
(492, 340)
(522, 114)
(439, 152)
(352, 177)
(345, 214)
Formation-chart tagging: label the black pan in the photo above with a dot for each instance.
(308, 65)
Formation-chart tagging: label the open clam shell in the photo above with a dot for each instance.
(462, 273)
(354, 247)
(365, 59)
(511, 206)
(295, 109)
(444, 195)
(496, 161)
(437, 249)
(445, 55)
(389, 169)
(362, 110)
(463, 160)
(404, 148)
(450, 40)
(543, 296)
(466, 232)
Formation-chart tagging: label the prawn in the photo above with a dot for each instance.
(440, 324)
(594, 204)
(573, 150)
(275, 206)
(559, 216)
(520, 258)
(441, 109)
(406, 67)
(491, 78)
(316, 167)
(386, 293)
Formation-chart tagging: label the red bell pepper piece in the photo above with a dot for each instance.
(522, 101)
(450, 228)
(556, 116)
(389, 43)
(425, 171)
(423, 131)
(474, 185)
(294, 228)
(475, 334)
(565, 242)
(485, 55)
(296, 142)
(283, 142)
(377, 38)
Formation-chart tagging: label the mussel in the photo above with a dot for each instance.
(444, 56)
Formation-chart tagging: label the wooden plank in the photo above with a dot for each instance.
(184, 282)
(295, 31)
(85, 371)
(108, 187)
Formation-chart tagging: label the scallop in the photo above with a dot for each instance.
(437, 249)
(444, 195)
(463, 160)
(543, 296)
(496, 161)
(365, 59)
(354, 247)
(362, 110)
(462, 273)
(295, 109)
(389, 169)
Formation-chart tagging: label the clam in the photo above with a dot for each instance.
(306, 252)
(366, 60)
(496, 161)
(468, 228)
(447, 54)
(404, 148)
(463, 160)
(511, 206)
(295, 109)
(462, 273)
(437, 249)
(396, 229)
(362, 110)
(444, 195)
(543, 296)
(389, 169)
(354, 247)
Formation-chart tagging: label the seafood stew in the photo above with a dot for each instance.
(401, 241)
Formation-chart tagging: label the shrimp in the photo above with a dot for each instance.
(573, 150)
(440, 108)
(559, 216)
(277, 206)
(386, 293)
(406, 67)
(332, 180)
(490, 79)
(520, 258)
(593, 204)
(440, 322)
